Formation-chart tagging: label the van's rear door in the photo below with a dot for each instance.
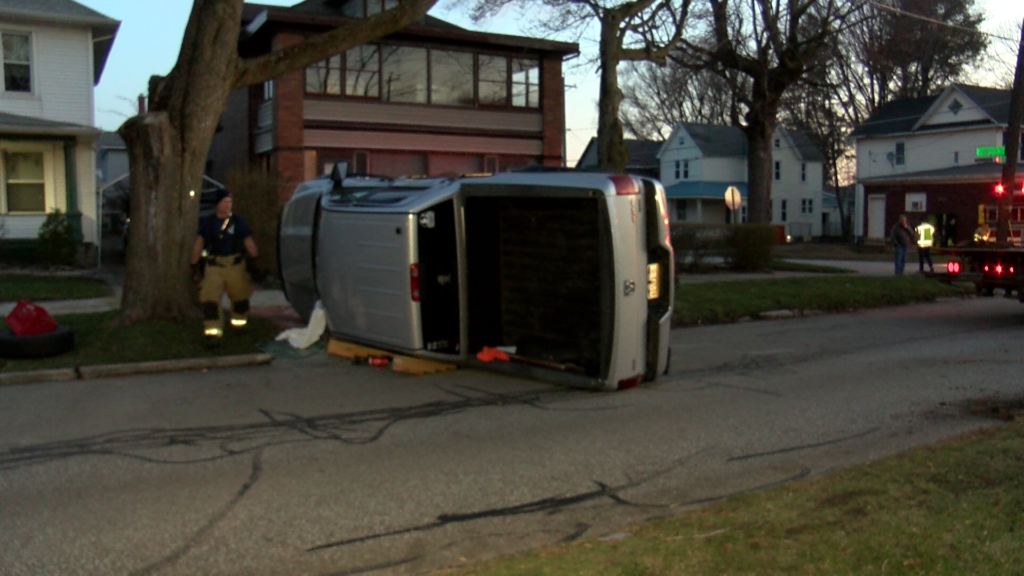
(630, 248)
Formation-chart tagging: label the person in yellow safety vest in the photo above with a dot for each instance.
(222, 243)
(925, 233)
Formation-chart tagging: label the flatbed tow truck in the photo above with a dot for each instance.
(987, 265)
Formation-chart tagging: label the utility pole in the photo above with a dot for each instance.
(1012, 145)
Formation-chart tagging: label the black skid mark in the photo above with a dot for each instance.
(181, 551)
(210, 443)
(581, 529)
(803, 446)
(548, 505)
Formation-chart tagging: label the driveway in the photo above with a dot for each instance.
(316, 466)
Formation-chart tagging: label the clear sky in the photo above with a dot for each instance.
(151, 31)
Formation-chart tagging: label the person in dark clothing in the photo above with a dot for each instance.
(902, 239)
(222, 243)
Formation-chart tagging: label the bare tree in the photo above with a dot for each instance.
(773, 44)
(167, 146)
(656, 98)
(630, 31)
(1012, 144)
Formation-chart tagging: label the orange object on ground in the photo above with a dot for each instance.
(489, 354)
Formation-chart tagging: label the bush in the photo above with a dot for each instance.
(56, 242)
(751, 246)
(693, 243)
(255, 195)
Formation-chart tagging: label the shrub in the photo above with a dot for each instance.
(56, 241)
(750, 247)
(693, 243)
(255, 196)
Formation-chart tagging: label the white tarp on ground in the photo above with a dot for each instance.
(303, 338)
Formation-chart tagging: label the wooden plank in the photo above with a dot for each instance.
(418, 366)
(350, 350)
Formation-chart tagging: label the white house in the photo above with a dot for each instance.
(53, 54)
(699, 161)
(937, 158)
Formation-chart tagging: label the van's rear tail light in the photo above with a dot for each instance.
(629, 382)
(953, 267)
(414, 281)
(624, 184)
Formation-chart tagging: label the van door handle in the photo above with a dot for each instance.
(629, 287)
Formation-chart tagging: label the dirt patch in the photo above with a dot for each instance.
(998, 409)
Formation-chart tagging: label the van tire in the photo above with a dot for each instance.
(32, 346)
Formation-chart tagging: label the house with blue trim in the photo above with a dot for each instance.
(698, 162)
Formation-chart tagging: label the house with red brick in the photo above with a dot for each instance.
(936, 158)
(432, 99)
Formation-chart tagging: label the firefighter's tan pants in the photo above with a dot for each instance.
(222, 274)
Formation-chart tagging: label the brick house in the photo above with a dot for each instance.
(432, 99)
(53, 54)
(699, 161)
(935, 158)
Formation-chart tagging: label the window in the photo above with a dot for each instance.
(807, 206)
(17, 55)
(491, 164)
(267, 92)
(492, 80)
(362, 71)
(956, 157)
(686, 169)
(682, 140)
(678, 163)
(778, 143)
(525, 83)
(778, 170)
(404, 74)
(803, 171)
(782, 210)
(916, 202)
(451, 78)
(24, 182)
(901, 154)
(324, 77)
(743, 213)
(680, 210)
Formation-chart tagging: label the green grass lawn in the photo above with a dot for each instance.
(100, 340)
(953, 508)
(38, 288)
(713, 302)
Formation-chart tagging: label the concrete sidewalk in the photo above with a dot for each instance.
(862, 267)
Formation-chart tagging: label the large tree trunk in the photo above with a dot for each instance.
(759, 130)
(163, 220)
(167, 150)
(611, 150)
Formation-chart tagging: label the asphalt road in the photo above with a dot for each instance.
(315, 466)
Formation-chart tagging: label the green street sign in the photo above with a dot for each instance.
(988, 151)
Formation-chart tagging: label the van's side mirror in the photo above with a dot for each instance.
(339, 171)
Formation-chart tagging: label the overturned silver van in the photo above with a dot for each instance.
(572, 272)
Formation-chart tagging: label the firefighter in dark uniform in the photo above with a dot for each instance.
(224, 240)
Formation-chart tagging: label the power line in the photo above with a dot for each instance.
(903, 12)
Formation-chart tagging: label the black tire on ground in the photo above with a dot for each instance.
(61, 340)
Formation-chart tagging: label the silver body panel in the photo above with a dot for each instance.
(364, 254)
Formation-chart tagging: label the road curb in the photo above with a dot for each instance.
(111, 370)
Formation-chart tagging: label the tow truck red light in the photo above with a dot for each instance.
(953, 267)
(986, 267)
(999, 189)
(999, 268)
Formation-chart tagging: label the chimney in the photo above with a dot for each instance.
(142, 104)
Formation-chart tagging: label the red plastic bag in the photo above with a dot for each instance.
(28, 318)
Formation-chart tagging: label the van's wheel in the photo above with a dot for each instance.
(12, 346)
